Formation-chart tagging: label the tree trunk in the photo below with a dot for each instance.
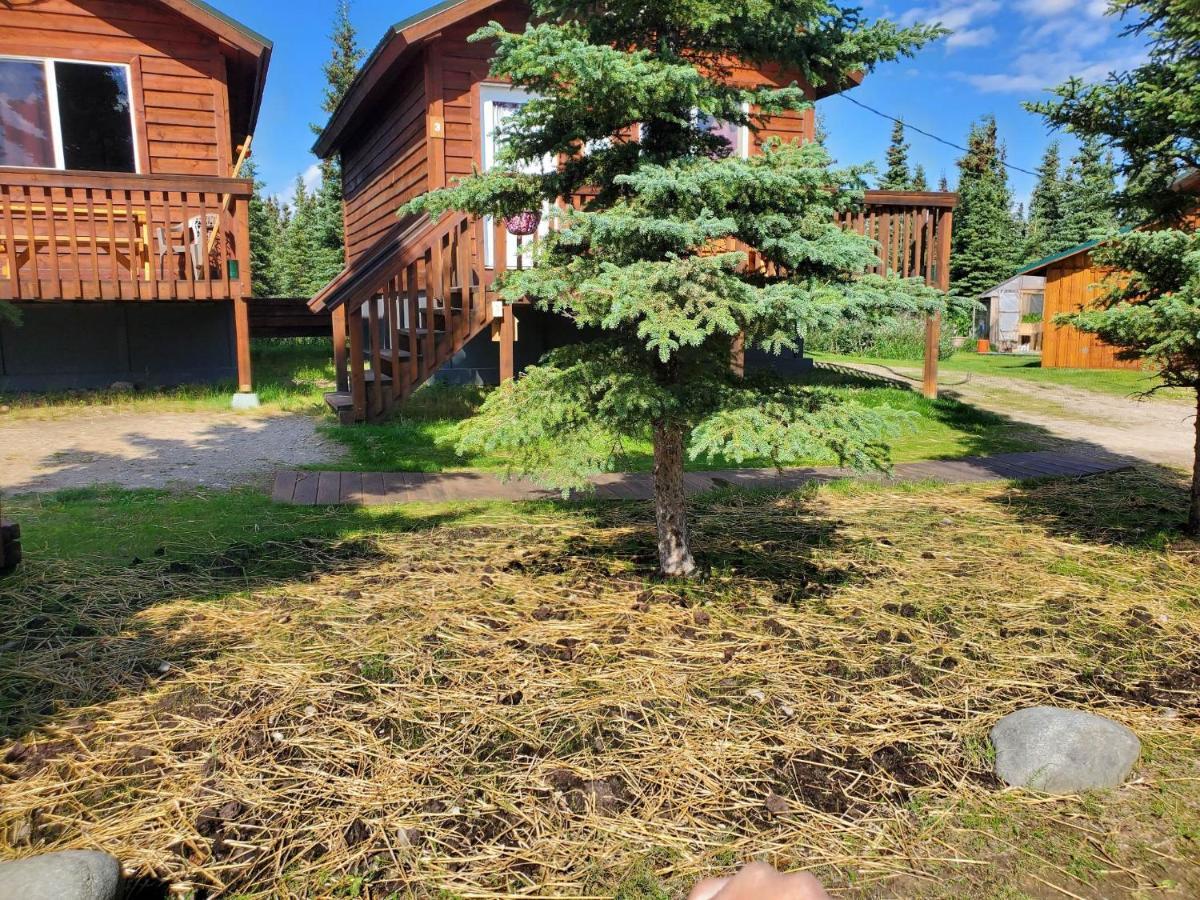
(1193, 522)
(670, 509)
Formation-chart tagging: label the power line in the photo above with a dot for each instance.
(927, 134)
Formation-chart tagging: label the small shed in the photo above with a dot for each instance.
(1012, 320)
(1073, 281)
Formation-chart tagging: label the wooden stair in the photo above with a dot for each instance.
(407, 315)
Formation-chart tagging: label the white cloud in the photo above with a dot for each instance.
(311, 177)
(1036, 71)
(1050, 8)
(971, 37)
(1071, 32)
(951, 14)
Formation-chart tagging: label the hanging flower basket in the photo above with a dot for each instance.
(523, 224)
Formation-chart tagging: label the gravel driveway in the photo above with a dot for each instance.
(136, 449)
(1155, 430)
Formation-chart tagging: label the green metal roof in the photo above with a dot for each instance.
(1063, 254)
(232, 22)
(424, 14)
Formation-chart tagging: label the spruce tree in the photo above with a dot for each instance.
(328, 243)
(264, 239)
(896, 176)
(1044, 232)
(298, 243)
(919, 181)
(1087, 203)
(943, 183)
(985, 244)
(1151, 115)
(651, 262)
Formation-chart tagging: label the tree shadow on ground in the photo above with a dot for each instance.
(97, 560)
(1143, 506)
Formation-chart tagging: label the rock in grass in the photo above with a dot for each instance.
(77, 874)
(1062, 751)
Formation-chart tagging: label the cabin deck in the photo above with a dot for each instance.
(103, 236)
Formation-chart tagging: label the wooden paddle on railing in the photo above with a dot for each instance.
(243, 152)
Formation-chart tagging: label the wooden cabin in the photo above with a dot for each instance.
(415, 298)
(124, 235)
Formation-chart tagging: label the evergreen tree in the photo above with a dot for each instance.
(1151, 115)
(264, 239)
(943, 183)
(1087, 203)
(328, 242)
(644, 263)
(1044, 232)
(985, 245)
(896, 176)
(298, 243)
(919, 181)
(344, 57)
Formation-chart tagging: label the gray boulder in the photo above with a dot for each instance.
(1062, 751)
(68, 875)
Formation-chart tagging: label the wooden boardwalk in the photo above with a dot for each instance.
(306, 488)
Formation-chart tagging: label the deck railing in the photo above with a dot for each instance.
(104, 236)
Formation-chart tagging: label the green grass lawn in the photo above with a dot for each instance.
(290, 375)
(1028, 367)
(421, 436)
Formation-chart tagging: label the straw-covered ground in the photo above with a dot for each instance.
(494, 701)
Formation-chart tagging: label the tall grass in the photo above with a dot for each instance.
(897, 339)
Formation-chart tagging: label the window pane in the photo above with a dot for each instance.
(722, 129)
(26, 137)
(93, 111)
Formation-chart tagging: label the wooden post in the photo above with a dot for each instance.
(508, 335)
(338, 317)
(358, 374)
(241, 330)
(933, 324)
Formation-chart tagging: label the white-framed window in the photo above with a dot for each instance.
(737, 136)
(66, 114)
(498, 102)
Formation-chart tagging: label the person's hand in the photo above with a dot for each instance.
(758, 881)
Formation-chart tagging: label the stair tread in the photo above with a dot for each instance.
(338, 400)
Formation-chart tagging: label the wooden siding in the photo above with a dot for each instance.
(427, 131)
(1071, 285)
(385, 165)
(177, 73)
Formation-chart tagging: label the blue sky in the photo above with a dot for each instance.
(1001, 52)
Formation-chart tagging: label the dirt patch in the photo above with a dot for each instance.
(154, 449)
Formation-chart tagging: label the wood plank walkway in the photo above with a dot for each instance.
(306, 488)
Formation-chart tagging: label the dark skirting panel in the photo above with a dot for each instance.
(64, 346)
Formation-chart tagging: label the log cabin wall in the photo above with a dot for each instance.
(178, 73)
(385, 164)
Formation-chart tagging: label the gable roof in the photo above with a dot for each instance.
(1045, 262)
(400, 43)
(249, 52)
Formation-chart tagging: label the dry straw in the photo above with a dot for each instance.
(510, 706)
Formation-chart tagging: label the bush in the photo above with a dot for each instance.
(896, 339)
